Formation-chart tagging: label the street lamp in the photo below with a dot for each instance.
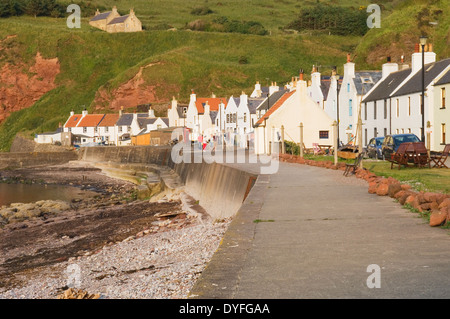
(423, 42)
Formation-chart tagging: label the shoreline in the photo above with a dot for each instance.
(168, 240)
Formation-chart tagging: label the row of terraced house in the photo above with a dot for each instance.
(387, 100)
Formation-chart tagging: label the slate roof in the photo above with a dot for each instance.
(362, 87)
(125, 120)
(118, 19)
(387, 86)
(165, 120)
(325, 83)
(180, 110)
(271, 100)
(445, 79)
(253, 104)
(143, 122)
(414, 84)
(213, 115)
(101, 16)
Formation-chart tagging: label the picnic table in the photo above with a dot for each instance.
(411, 153)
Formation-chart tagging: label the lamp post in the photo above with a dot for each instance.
(423, 42)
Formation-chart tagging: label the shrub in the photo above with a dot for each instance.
(201, 11)
(337, 20)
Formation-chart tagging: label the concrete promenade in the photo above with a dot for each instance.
(309, 232)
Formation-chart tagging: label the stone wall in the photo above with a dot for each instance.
(29, 159)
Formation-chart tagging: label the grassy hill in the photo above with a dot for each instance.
(223, 63)
(401, 29)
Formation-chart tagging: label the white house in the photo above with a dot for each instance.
(441, 121)
(84, 127)
(176, 114)
(49, 137)
(332, 85)
(107, 129)
(288, 112)
(354, 86)
(393, 106)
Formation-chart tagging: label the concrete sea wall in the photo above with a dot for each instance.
(28, 159)
(220, 189)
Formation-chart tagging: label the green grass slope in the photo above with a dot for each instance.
(401, 29)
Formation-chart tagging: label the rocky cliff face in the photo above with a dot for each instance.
(132, 93)
(21, 85)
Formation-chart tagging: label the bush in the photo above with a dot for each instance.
(243, 60)
(337, 20)
(292, 148)
(201, 11)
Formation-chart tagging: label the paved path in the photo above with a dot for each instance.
(318, 233)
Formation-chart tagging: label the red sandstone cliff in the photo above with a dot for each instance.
(21, 86)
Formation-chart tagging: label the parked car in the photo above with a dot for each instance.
(392, 142)
(374, 147)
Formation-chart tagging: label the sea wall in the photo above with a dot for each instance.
(219, 188)
(28, 159)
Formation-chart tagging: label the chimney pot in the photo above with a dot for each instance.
(417, 47)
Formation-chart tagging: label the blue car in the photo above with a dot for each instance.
(374, 147)
(392, 142)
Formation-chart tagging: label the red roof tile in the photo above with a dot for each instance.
(73, 120)
(91, 120)
(109, 120)
(212, 101)
(275, 107)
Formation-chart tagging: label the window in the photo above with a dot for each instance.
(397, 108)
(96, 129)
(385, 131)
(70, 130)
(350, 107)
(120, 129)
(365, 112)
(396, 131)
(403, 131)
(443, 98)
(158, 127)
(420, 103)
(375, 110)
(84, 129)
(128, 128)
(245, 117)
(323, 134)
(228, 118)
(365, 136)
(385, 110)
(409, 130)
(443, 133)
(348, 87)
(374, 132)
(106, 129)
(409, 106)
